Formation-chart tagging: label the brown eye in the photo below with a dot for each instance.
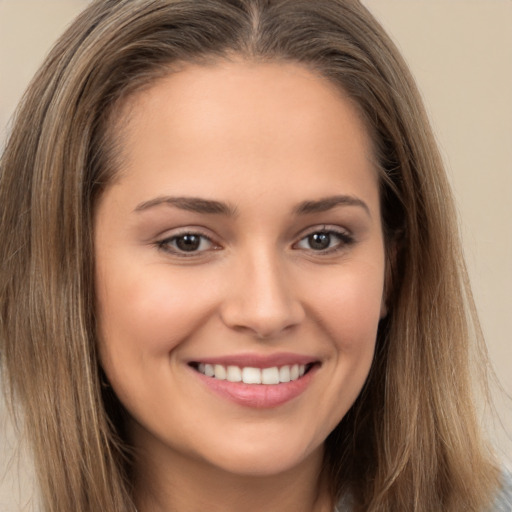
(319, 241)
(325, 241)
(186, 243)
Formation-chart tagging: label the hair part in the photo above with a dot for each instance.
(411, 441)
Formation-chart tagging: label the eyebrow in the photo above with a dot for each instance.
(328, 203)
(191, 204)
(209, 206)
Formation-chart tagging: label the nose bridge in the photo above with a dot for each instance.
(262, 298)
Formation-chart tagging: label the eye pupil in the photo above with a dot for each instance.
(319, 241)
(188, 242)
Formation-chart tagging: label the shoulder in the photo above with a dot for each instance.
(503, 501)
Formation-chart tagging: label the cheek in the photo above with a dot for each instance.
(146, 314)
(143, 319)
(349, 306)
(346, 307)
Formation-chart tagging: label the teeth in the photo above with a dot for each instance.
(209, 370)
(250, 375)
(220, 372)
(284, 374)
(234, 374)
(270, 375)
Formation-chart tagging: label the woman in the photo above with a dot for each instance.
(231, 276)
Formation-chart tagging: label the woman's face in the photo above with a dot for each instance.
(243, 241)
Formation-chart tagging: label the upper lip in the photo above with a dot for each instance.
(258, 360)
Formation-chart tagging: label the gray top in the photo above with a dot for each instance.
(504, 499)
(503, 502)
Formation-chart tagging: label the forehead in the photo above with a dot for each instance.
(243, 123)
(202, 98)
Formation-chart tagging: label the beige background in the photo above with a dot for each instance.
(461, 54)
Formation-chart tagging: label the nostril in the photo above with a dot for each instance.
(260, 321)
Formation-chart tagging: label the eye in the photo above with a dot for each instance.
(187, 243)
(325, 241)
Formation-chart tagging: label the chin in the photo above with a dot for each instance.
(267, 461)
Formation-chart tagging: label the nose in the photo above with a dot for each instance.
(261, 299)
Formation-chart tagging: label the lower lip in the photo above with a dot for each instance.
(258, 396)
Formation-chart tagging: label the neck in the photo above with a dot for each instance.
(176, 483)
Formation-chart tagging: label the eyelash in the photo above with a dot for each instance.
(344, 239)
(165, 244)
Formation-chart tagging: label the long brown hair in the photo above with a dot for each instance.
(411, 442)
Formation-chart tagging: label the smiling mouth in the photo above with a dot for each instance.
(250, 375)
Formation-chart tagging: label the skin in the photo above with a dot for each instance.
(262, 139)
